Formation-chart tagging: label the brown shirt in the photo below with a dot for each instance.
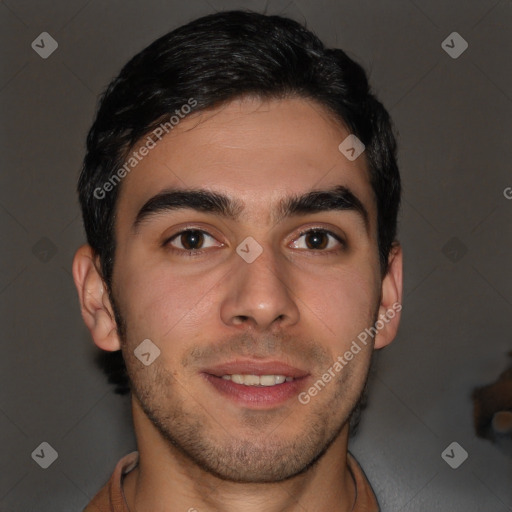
(111, 498)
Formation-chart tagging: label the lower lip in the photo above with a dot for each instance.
(257, 397)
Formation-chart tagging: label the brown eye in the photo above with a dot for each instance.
(190, 240)
(317, 239)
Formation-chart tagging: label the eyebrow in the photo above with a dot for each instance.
(337, 198)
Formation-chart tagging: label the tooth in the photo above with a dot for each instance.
(251, 380)
(257, 380)
(267, 380)
(238, 379)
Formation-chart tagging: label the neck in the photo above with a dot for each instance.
(168, 481)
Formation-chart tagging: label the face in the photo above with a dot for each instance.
(265, 285)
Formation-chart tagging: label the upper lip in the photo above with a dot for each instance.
(253, 367)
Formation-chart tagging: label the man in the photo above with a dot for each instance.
(240, 194)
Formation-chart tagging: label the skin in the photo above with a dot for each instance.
(295, 304)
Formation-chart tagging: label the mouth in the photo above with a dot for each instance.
(257, 380)
(256, 385)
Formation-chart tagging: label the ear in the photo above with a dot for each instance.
(391, 301)
(94, 302)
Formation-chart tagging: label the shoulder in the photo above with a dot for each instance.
(110, 497)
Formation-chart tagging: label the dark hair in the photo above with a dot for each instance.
(213, 60)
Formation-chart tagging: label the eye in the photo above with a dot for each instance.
(318, 239)
(190, 240)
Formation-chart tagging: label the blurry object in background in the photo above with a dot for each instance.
(492, 411)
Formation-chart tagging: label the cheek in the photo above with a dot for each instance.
(158, 302)
(344, 301)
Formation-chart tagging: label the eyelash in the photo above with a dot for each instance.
(198, 252)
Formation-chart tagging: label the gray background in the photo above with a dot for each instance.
(453, 118)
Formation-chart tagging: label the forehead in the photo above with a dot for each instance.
(257, 151)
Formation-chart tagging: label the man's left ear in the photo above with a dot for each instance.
(391, 301)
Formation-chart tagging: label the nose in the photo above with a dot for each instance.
(259, 294)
